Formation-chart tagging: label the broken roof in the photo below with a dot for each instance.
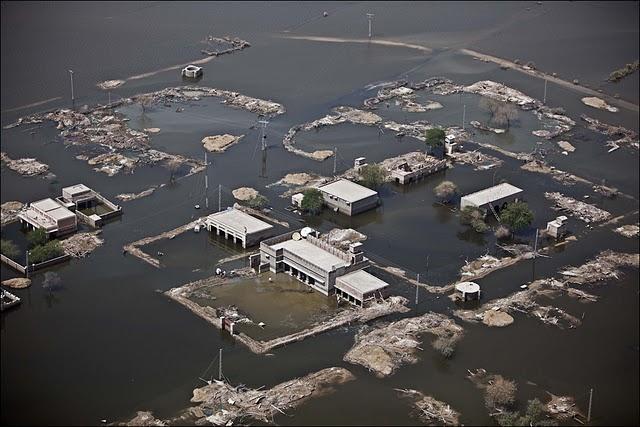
(347, 190)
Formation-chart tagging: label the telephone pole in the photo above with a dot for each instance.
(72, 96)
(263, 137)
(464, 114)
(544, 98)
(590, 401)
(418, 281)
(206, 179)
(220, 365)
(335, 159)
(219, 197)
(370, 18)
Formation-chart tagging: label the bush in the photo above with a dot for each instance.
(257, 202)
(534, 416)
(517, 215)
(445, 346)
(473, 217)
(45, 252)
(446, 191)
(37, 237)
(434, 138)
(372, 176)
(501, 393)
(8, 248)
(312, 201)
(502, 232)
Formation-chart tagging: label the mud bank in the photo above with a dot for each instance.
(382, 350)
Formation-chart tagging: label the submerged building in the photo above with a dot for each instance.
(498, 195)
(90, 206)
(239, 226)
(348, 197)
(49, 215)
(320, 265)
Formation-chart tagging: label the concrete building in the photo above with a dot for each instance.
(50, 215)
(557, 227)
(310, 259)
(348, 197)
(359, 287)
(90, 207)
(406, 173)
(493, 197)
(468, 291)
(239, 226)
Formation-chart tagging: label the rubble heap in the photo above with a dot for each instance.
(628, 230)
(81, 244)
(9, 211)
(503, 93)
(603, 267)
(385, 348)
(581, 210)
(26, 167)
(341, 238)
(622, 136)
(234, 44)
(227, 403)
(429, 410)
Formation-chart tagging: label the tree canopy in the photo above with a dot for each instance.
(372, 176)
(37, 237)
(312, 201)
(446, 191)
(517, 215)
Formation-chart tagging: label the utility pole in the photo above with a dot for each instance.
(418, 281)
(370, 18)
(26, 270)
(71, 76)
(109, 97)
(544, 99)
(335, 159)
(263, 137)
(464, 114)
(219, 197)
(220, 365)
(590, 400)
(535, 246)
(206, 179)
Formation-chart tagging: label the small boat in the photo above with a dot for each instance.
(197, 206)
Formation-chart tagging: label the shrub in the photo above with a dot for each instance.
(372, 176)
(37, 237)
(45, 252)
(501, 393)
(445, 346)
(475, 218)
(257, 202)
(8, 248)
(517, 215)
(502, 232)
(446, 191)
(434, 138)
(312, 201)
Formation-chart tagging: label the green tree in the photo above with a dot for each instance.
(517, 215)
(8, 248)
(434, 138)
(372, 176)
(45, 252)
(446, 191)
(501, 393)
(474, 217)
(37, 237)
(534, 416)
(312, 201)
(257, 202)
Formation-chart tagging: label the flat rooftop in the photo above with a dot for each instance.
(359, 283)
(491, 194)
(53, 209)
(239, 221)
(347, 190)
(312, 253)
(76, 189)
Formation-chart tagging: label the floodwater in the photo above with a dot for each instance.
(107, 344)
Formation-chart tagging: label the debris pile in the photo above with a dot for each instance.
(81, 244)
(17, 283)
(628, 230)
(601, 104)
(229, 403)
(234, 44)
(554, 121)
(125, 197)
(110, 84)
(245, 193)
(609, 192)
(487, 264)
(475, 158)
(341, 238)
(622, 135)
(431, 411)
(232, 313)
(503, 93)
(563, 408)
(476, 124)
(219, 143)
(145, 419)
(581, 210)
(405, 91)
(602, 267)
(26, 167)
(566, 146)
(540, 166)
(297, 182)
(9, 211)
(385, 348)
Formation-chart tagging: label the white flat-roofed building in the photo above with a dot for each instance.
(309, 259)
(235, 224)
(501, 193)
(77, 193)
(50, 215)
(348, 197)
(359, 287)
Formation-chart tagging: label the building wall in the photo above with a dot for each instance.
(365, 204)
(352, 208)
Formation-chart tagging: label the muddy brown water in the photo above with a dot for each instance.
(108, 344)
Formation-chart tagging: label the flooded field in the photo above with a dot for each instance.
(110, 335)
